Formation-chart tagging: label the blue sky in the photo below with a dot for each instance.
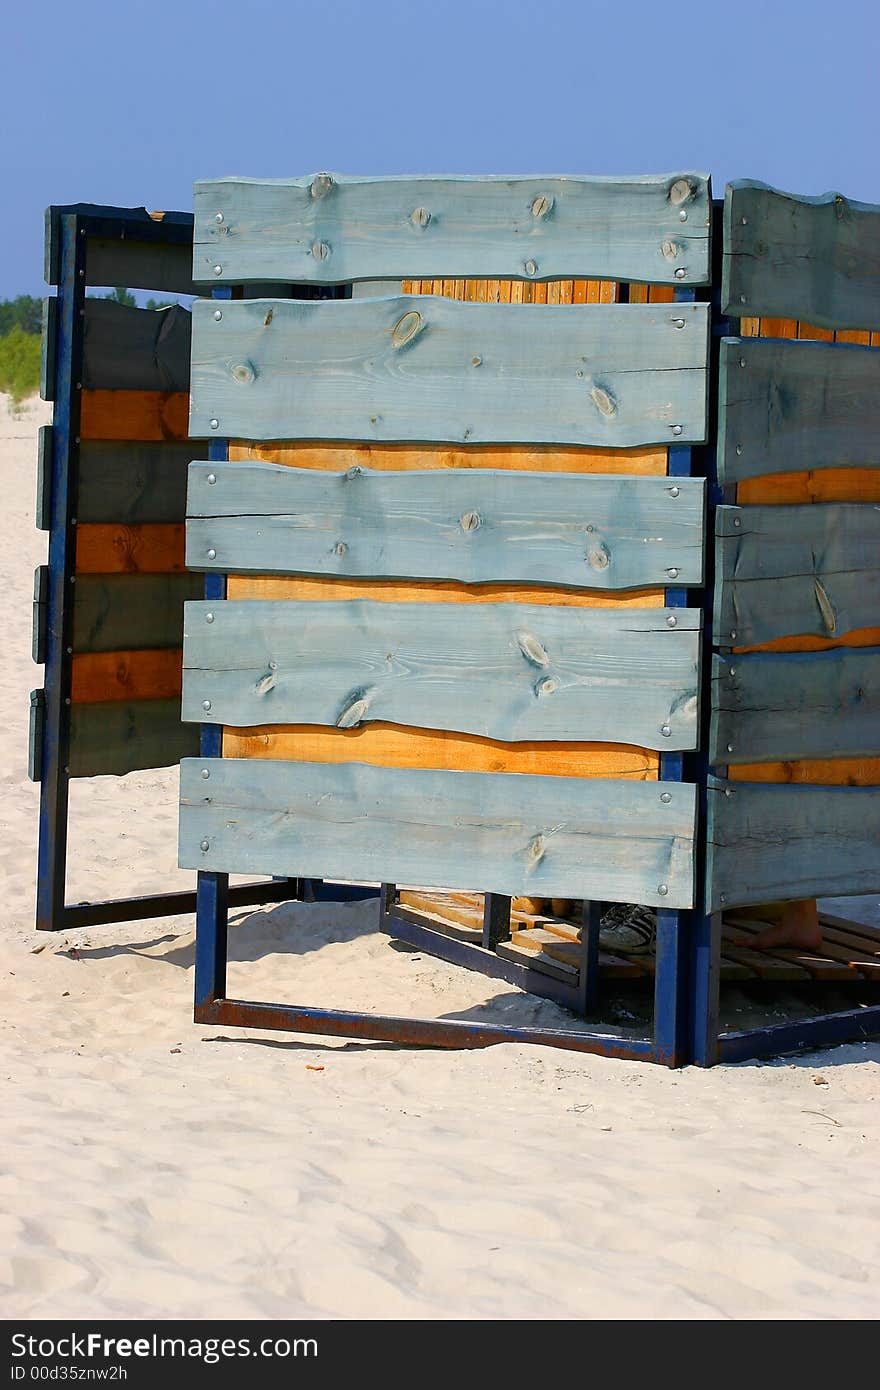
(128, 102)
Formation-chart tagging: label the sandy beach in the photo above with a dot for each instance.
(152, 1168)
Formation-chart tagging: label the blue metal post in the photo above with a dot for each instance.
(212, 890)
(52, 858)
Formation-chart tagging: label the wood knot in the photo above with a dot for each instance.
(603, 401)
(471, 521)
(535, 852)
(826, 608)
(244, 373)
(670, 248)
(320, 250)
(532, 649)
(548, 685)
(542, 206)
(598, 557)
(355, 710)
(354, 472)
(406, 328)
(682, 191)
(420, 217)
(321, 185)
(265, 683)
(270, 314)
(340, 548)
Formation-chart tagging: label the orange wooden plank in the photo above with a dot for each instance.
(141, 415)
(104, 677)
(777, 328)
(338, 457)
(290, 587)
(817, 485)
(865, 637)
(810, 330)
(394, 745)
(116, 549)
(823, 772)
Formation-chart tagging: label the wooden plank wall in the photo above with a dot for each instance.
(131, 581)
(799, 710)
(385, 744)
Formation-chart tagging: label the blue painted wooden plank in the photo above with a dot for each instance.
(769, 844)
(36, 734)
(123, 612)
(502, 833)
(119, 737)
(786, 406)
(128, 349)
(791, 571)
(49, 348)
(43, 508)
(787, 257)
(422, 367)
(509, 671)
(329, 228)
(477, 525)
(126, 481)
(40, 617)
(772, 707)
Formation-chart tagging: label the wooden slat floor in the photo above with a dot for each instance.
(850, 951)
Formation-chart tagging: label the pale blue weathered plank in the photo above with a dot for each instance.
(492, 832)
(772, 707)
(792, 571)
(509, 671)
(329, 228)
(476, 525)
(422, 367)
(787, 406)
(787, 257)
(770, 844)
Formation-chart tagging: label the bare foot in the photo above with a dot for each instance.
(798, 926)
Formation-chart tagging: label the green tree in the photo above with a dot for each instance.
(24, 312)
(122, 296)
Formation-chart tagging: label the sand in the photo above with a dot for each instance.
(152, 1168)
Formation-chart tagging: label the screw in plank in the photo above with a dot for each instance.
(205, 846)
(217, 315)
(672, 621)
(732, 672)
(476, 361)
(742, 361)
(665, 797)
(678, 323)
(673, 573)
(682, 216)
(676, 429)
(674, 491)
(209, 617)
(212, 477)
(662, 889)
(218, 270)
(730, 747)
(680, 273)
(733, 634)
(531, 267)
(215, 424)
(212, 554)
(206, 705)
(665, 730)
(736, 521)
(205, 774)
(739, 449)
(218, 216)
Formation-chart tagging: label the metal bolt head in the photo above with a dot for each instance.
(212, 554)
(218, 270)
(682, 216)
(736, 521)
(733, 634)
(727, 791)
(212, 478)
(205, 846)
(742, 361)
(206, 705)
(674, 491)
(215, 424)
(680, 273)
(739, 449)
(205, 774)
(218, 315)
(676, 429)
(672, 621)
(733, 670)
(742, 299)
(665, 797)
(665, 730)
(662, 889)
(218, 216)
(730, 747)
(209, 617)
(745, 221)
(678, 323)
(672, 573)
